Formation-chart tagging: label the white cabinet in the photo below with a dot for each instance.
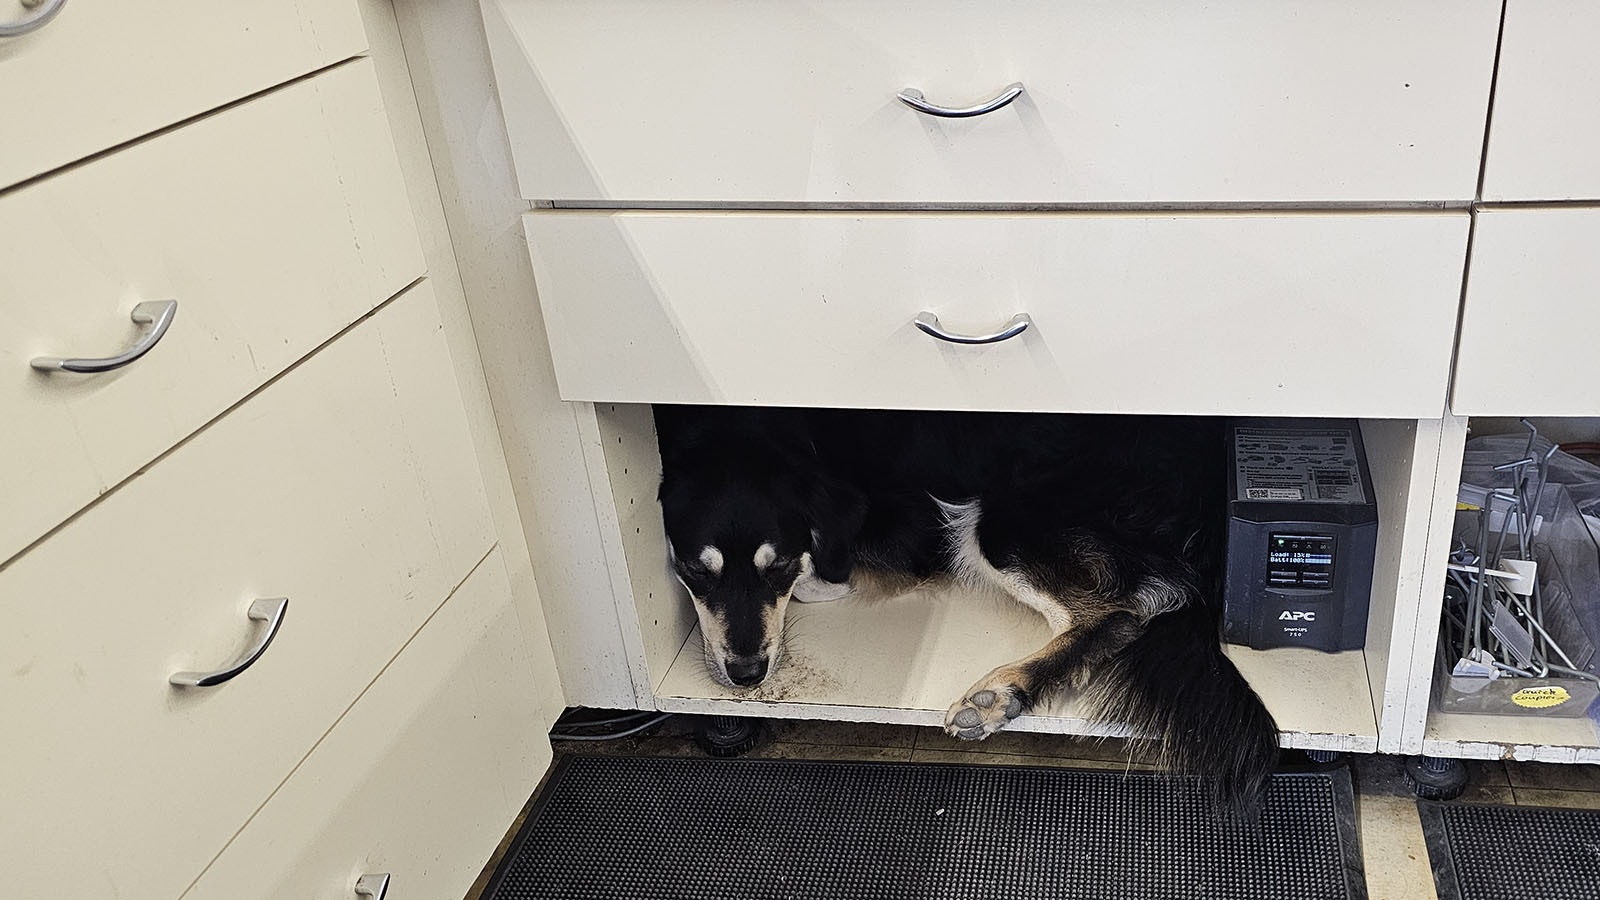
(1530, 326)
(103, 73)
(268, 248)
(750, 215)
(759, 220)
(1240, 208)
(1544, 136)
(348, 487)
(718, 101)
(309, 427)
(1334, 315)
(418, 780)
(1527, 349)
(1530, 314)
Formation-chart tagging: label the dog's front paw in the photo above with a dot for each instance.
(989, 706)
(811, 589)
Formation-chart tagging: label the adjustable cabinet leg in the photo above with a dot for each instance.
(1436, 777)
(728, 735)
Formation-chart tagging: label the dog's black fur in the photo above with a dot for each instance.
(1112, 526)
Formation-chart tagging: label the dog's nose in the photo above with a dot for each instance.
(747, 672)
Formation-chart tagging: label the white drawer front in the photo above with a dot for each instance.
(273, 225)
(420, 779)
(101, 73)
(1298, 315)
(1544, 138)
(712, 101)
(350, 487)
(1531, 321)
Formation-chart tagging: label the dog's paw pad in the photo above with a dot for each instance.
(983, 711)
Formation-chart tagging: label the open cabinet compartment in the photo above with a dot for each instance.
(1477, 736)
(903, 660)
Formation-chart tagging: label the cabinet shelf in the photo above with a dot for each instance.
(905, 658)
(1511, 737)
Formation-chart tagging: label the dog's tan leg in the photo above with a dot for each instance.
(1094, 598)
(1010, 690)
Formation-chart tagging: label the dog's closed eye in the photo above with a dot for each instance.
(699, 574)
(699, 582)
(781, 573)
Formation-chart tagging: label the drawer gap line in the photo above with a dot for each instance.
(1492, 205)
(330, 729)
(1461, 315)
(168, 129)
(1198, 208)
(1488, 114)
(204, 426)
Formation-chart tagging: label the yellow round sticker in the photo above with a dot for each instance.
(1541, 697)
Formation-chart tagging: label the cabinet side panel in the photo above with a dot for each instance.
(447, 54)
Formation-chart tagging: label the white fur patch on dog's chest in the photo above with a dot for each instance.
(967, 562)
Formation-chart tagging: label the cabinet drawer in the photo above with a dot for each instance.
(101, 73)
(349, 487)
(713, 101)
(419, 780)
(1544, 137)
(1276, 315)
(1530, 327)
(273, 226)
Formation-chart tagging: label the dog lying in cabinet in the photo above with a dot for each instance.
(1110, 527)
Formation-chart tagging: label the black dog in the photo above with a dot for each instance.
(1111, 527)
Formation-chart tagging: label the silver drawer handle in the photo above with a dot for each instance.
(914, 99)
(374, 886)
(929, 323)
(269, 611)
(47, 10)
(158, 314)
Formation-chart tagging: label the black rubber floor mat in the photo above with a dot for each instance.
(609, 828)
(1512, 852)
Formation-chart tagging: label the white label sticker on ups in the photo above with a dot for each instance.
(1297, 464)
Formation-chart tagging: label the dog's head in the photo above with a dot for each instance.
(745, 510)
(739, 550)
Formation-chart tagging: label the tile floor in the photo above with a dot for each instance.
(1391, 833)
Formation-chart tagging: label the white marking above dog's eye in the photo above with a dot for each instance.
(711, 558)
(765, 554)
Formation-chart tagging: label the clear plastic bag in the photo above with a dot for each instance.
(1581, 478)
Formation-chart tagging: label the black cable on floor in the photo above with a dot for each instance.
(633, 716)
(612, 736)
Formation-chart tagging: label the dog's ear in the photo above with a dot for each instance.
(690, 433)
(681, 433)
(836, 511)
